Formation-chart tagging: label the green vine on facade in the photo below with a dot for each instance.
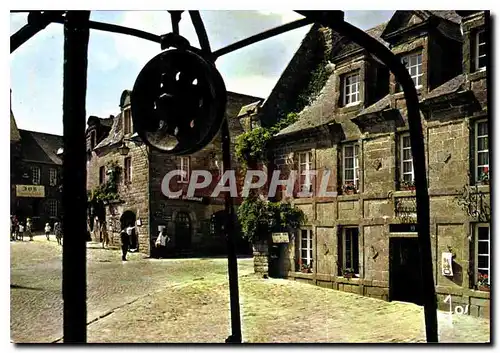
(259, 218)
(316, 83)
(251, 146)
(107, 191)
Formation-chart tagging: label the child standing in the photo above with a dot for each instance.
(47, 231)
(28, 229)
(21, 231)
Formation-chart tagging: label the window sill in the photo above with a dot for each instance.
(477, 75)
(346, 197)
(350, 107)
(342, 279)
(404, 193)
(401, 94)
(483, 187)
(299, 274)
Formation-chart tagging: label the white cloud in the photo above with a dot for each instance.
(141, 51)
(286, 16)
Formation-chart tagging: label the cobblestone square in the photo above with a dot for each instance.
(187, 301)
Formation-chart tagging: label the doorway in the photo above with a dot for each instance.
(182, 231)
(405, 280)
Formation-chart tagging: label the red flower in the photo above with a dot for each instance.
(485, 169)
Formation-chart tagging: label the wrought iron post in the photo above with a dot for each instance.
(74, 198)
(232, 263)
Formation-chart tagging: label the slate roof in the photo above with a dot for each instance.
(320, 111)
(454, 85)
(249, 109)
(378, 106)
(375, 32)
(115, 135)
(316, 114)
(449, 15)
(40, 147)
(14, 131)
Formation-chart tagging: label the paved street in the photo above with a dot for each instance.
(145, 300)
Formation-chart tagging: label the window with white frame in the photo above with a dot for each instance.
(480, 50)
(350, 166)
(305, 166)
(351, 94)
(127, 121)
(406, 160)
(52, 177)
(35, 175)
(305, 249)
(482, 154)
(413, 63)
(482, 254)
(185, 167)
(348, 251)
(53, 208)
(127, 175)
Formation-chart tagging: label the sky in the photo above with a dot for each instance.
(115, 60)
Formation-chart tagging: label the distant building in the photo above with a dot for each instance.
(129, 175)
(35, 177)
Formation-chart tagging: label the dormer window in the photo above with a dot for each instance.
(350, 89)
(413, 63)
(480, 51)
(127, 121)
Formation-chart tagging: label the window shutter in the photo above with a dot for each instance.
(340, 169)
(340, 254)
(472, 153)
(472, 258)
(314, 178)
(355, 257)
(473, 50)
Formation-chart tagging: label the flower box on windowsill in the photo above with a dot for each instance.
(306, 270)
(408, 188)
(349, 189)
(483, 288)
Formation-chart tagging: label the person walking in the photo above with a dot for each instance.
(47, 231)
(12, 228)
(58, 232)
(105, 235)
(21, 231)
(132, 237)
(15, 228)
(125, 239)
(29, 229)
(161, 243)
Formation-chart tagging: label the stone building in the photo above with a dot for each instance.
(116, 154)
(35, 175)
(364, 239)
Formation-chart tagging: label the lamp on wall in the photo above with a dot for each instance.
(123, 149)
(135, 138)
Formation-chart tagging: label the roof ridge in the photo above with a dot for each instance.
(40, 133)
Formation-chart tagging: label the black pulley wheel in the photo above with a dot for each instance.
(178, 102)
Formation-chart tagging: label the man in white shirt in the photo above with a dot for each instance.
(133, 241)
(161, 242)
